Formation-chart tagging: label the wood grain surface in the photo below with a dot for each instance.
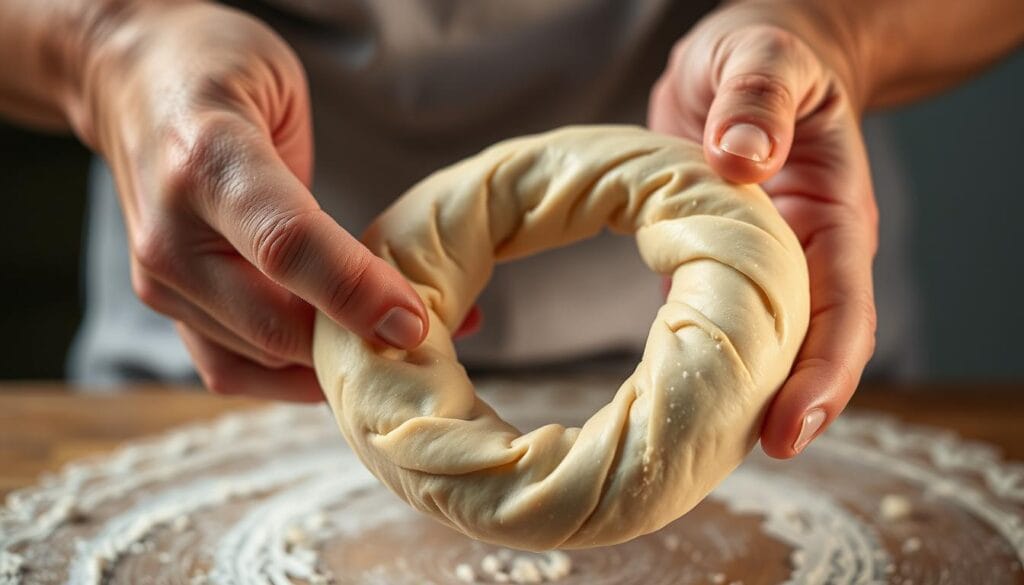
(43, 426)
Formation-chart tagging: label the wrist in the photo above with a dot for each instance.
(841, 32)
(98, 39)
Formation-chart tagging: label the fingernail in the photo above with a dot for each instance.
(400, 328)
(747, 141)
(810, 427)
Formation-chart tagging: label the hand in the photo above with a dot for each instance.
(774, 102)
(203, 116)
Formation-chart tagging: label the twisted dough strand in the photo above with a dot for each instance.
(717, 351)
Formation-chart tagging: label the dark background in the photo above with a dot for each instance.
(964, 159)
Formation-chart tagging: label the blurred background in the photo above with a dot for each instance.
(961, 155)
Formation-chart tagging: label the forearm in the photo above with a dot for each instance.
(47, 48)
(901, 50)
(44, 44)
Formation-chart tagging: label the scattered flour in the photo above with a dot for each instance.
(894, 507)
(671, 542)
(465, 573)
(277, 538)
(911, 545)
(507, 566)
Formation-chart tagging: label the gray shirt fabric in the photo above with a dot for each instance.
(400, 89)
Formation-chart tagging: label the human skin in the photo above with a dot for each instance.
(775, 91)
(202, 114)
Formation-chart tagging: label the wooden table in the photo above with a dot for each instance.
(43, 426)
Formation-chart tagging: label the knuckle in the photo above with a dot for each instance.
(837, 373)
(761, 90)
(217, 380)
(180, 176)
(348, 281)
(274, 341)
(201, 158)
(846, 378)
(776, 41)
(149, 291)
(216, 373)
(212, 368)
(863, 307)
(153, 248)
(281, 242)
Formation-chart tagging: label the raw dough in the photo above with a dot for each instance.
(718, 349)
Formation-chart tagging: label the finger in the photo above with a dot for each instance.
(167, 301)
(840, 340)
(231, 291)
(473, 322)
(761, 77)
(225, 372)
(247, 194)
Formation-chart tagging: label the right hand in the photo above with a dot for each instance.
(202, 114)
(774, 96)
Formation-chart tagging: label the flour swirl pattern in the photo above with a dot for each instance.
(717, 350)
(268, 497)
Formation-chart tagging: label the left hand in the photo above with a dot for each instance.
(773, 100)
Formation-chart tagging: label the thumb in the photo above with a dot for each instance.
(273, 221)
(303, 249)
(764, 74)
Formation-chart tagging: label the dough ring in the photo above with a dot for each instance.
(718, 349)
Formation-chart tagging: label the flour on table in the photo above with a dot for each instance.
(894, 507)
(275, 497)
